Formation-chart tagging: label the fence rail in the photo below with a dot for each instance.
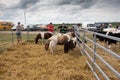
(81, 35)
(9, 37)
(6, 39)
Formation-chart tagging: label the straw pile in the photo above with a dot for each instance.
(29, 61)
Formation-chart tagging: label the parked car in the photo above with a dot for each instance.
(32, 28)
(13, 28)
(43, 27)
(91, 27)
(101, 26)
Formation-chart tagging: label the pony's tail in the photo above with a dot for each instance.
(37, 38)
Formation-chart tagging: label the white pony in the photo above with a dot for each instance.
(113, 30)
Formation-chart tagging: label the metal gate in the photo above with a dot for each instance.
(95, 58)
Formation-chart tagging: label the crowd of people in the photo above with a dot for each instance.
(63, 28)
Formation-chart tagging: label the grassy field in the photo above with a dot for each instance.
(114, 24)
(6, 39)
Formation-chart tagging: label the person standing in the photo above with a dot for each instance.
(110, 26)
(63, 28)
(102, 27)
(118, 27)
(50, 28)
(76, 28)
(19, 28)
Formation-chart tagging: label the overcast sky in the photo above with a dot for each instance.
(59, 11)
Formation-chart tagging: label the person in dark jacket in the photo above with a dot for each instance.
(63, 28)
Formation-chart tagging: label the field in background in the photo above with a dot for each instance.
(7, 39)
(69, 25)
(114, 24)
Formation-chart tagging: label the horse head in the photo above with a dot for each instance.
(37, 38)
(42, 35)
(72, 34)
(47, 44)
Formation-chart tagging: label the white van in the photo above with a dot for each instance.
(89, 26)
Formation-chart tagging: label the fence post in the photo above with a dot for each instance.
(27, 33)
(94, 57)
(12, 39)
(83, 42)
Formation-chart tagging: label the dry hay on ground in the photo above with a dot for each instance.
(30, 61)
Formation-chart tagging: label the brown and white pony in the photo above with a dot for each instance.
(43, 35)
(51, 43)
(58, 39)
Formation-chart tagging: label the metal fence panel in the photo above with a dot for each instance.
(95, 55)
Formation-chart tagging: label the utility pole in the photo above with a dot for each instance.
(25, 17)
(26, 26)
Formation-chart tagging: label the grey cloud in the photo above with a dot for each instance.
(64, 2)
(82, 3)
(87, 4)
(76, 8)
(2, 6)
(9, 14)
(113, 3)
(108, 4)
(23, 4)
